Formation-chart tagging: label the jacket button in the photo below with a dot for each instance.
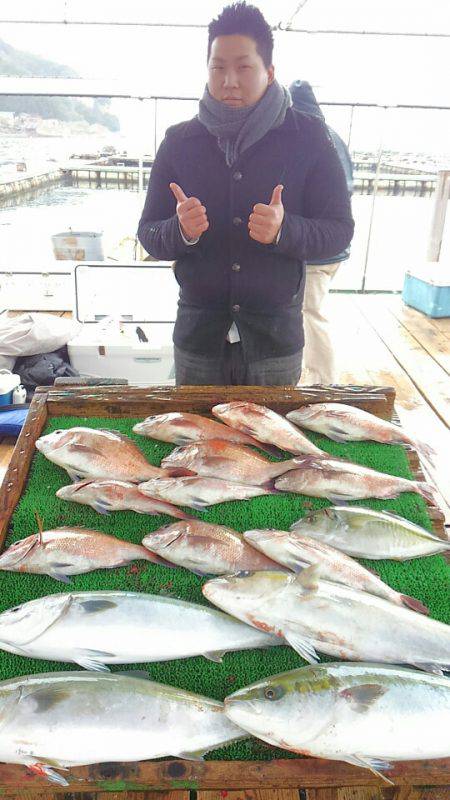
(236, 309)
(237, 221)
(237, 176)
(235, 267)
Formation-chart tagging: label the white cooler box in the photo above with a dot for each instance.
(48, 288)
(116, 304)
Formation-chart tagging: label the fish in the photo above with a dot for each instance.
(71, 551)
(365, 533)
(109, 495)
(97, 453)
(92, 629)
(313, 614)
(368, 715)
(339, 481)
(232, 462)
(344, 423)
(206, 549)
(180, 427)
(198, 492)
(297, 551)
(265, 425)
(59, 720)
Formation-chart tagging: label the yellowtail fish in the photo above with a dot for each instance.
(265, 425)
(366, 714)
(93, 629)
(365, 533)
(67, 719)
(313, 614)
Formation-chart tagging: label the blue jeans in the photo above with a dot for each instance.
(231, 370)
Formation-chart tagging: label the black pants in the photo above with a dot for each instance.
(231, 370)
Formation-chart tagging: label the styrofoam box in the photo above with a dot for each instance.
(35, 288)
(427, 288)
(134, 296)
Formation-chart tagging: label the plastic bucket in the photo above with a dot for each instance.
(8, 382)
(78, 246)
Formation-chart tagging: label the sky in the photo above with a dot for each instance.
(381, 69)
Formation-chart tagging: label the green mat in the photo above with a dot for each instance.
(425, 578)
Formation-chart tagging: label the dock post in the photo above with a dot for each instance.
(441, 196)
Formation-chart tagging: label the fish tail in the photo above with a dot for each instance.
(427, 491)
(414, 604)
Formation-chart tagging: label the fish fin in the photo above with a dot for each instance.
(302, 645)
(435, 669)
(215, 656)
(195, 755)
(45, 771)
(425, 490)
(179, 472)
(84, 449)
(374, 764)
(91, 660)
(58, 576)
(414, 604)
(101, 506)
(308, 577)
(217, 462)
(363, 696)
(338, 434)
(75, 476)
(270, 449)
(340, 499)
(270, 486)
(198, 504)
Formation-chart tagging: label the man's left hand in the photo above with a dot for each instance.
(265, 221)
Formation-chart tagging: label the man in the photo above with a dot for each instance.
(240, 196)
(319, 364)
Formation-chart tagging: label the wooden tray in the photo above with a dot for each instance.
(186, 775)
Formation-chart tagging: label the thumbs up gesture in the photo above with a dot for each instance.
(265, 221)
(190, 212)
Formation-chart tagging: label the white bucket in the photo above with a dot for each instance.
(8, 382)
(78, 246)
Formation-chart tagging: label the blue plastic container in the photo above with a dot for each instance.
(8, 382)
(428, 290)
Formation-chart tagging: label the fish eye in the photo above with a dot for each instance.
(269, 694)
(273, 692)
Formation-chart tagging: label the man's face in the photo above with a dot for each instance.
(236, 72)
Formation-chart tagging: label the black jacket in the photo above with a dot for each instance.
(228, 276)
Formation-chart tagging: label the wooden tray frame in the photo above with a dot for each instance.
(177, 774)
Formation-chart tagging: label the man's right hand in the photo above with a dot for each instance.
(191, 214)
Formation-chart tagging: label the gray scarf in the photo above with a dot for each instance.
(238, 128)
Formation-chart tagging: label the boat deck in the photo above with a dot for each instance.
(378, 341)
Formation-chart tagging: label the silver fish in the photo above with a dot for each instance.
(180, 428)
(340, 480)
(71, 551)
(97, 453)
(296, 551)
(199, 493)
(108, 495)
(206, 549)
(344, 423)
(337, 620)
(93, 629)
(69, 719)
(265, 425)
(365, 533)
(216, 458)
(366, 714)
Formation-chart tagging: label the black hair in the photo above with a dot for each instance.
(244, 20)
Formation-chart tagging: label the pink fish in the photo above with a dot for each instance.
(97, 453)
(206, 549)
(198, 492)
(182, 428)
(216, 458)
(265, 425)
(71, 551)
(340, 480)
(106, 496)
